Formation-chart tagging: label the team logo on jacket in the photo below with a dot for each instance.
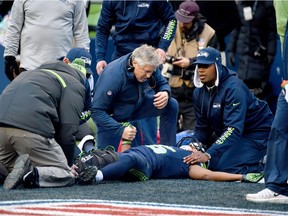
(216, 105)
(201, 42)
(86, 60)
(143, 5)
(109, 93)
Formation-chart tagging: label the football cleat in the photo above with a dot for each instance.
(97, 157)
(87, 176)
(253, 177)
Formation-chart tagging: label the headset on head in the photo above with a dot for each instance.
(130, 67)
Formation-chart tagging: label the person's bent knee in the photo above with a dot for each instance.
(173, 104)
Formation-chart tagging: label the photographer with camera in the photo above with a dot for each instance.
(192, 34)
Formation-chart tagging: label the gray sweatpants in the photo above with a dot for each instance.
(45, 154)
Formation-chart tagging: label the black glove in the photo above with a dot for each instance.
(231, 57)
(11, 66)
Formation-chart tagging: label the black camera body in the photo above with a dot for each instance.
(170, 59)
(173, 69)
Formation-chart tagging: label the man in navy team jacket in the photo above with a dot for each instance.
(120, 96)
(225, 106)
(131, 24)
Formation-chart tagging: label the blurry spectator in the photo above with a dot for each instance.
(5, 7)
(254, 42)
(120, 97)
(225, 106)
(135, 23)
(192, 35)
(43, 31)
(276, 170)
(222, 16)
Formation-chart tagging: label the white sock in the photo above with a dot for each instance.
(99, 176)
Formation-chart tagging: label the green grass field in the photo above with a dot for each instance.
(93, 17)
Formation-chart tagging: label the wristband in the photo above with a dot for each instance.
(126, 142)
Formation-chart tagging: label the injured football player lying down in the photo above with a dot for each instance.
(153, 162)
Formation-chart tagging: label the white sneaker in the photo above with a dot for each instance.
(267, 195)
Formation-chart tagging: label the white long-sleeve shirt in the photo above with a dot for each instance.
(45, 30)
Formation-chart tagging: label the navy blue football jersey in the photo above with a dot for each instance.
(148, 162)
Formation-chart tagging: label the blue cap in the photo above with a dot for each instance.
(208, 55)
(82, 54)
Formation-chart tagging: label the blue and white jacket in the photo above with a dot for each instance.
(118, 94)
(229, 110)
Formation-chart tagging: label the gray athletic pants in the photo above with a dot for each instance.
(45, 154)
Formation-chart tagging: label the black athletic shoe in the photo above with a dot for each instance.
(15, 178)
(31, 179)
(87, 176)
(99, 158)
(3, 173)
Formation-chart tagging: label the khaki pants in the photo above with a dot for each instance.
(45, 154)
